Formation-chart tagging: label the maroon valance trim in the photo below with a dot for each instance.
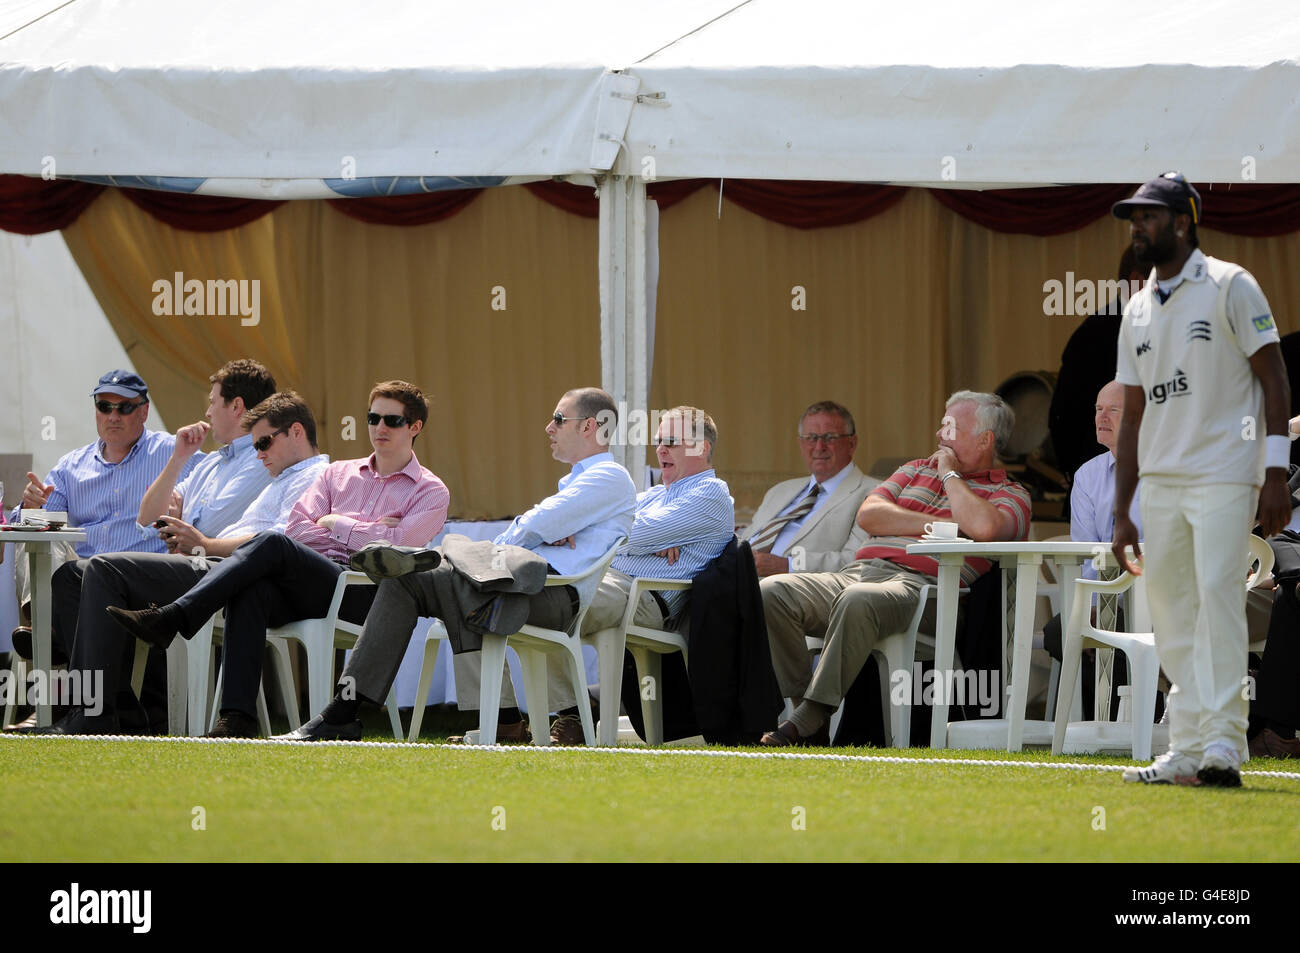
(31, 206)
(406, 210)
(199, 213)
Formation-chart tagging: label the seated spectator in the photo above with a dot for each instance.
(877, 594)
(99, 486)
(808, 524)
(1092, 519)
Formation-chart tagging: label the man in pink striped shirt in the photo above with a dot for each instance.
(275, 578)
(877, 594)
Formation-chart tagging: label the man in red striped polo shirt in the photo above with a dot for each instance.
(875, 595)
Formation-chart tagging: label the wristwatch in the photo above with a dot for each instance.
(949, 475)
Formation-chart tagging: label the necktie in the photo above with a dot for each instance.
(762, 542)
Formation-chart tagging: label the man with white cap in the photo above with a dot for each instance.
(1199, 358)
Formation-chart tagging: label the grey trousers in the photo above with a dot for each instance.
(398, 604)
(851, 609)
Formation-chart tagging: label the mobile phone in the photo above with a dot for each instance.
(160, 524)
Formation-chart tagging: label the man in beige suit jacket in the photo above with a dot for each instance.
(821, 534)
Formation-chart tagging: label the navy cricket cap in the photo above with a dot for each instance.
(1169, 189)
(122, 382)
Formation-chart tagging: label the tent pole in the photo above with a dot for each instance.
(624, 327)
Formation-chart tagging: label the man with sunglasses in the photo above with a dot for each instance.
(99, 486)
(1206, 403)
(283, 432)
(809, 524)
(211, 490)
(570, 530)
(277, 578)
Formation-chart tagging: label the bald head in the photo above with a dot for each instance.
(1109, 409)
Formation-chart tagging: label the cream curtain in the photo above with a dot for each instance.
(495, 313)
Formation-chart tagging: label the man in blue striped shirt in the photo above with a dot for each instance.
(213, 492)
(681, 526)
(100, 485)
(283, 431)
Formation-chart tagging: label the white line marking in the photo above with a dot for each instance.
(654, 752)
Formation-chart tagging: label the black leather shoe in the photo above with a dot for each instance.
(146, 625)
(385, 561)
(235, 724)
(77, 722)
(318, 729)
(22, 639)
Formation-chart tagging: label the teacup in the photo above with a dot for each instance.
(941, 529)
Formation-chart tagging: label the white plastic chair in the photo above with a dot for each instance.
(1139, 648)
(189, 689)
(319, 639)
(533, 644)
(896, 653)
(646, 644)
(1262, 558)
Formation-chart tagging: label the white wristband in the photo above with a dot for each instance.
(1277, 451)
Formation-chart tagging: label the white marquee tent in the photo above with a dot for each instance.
(312, 98)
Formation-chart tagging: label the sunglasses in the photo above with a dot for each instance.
(263, 444)
(391, 420)
(125, 408)
(559, 418)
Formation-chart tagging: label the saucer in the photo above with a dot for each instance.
(945, 539)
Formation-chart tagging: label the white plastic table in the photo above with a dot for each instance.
(1021, 561)
(39, 543)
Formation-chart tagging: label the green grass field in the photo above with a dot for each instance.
(100, 800)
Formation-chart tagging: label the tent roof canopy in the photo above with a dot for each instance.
(266, 96)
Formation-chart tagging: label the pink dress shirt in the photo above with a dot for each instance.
(355, 492)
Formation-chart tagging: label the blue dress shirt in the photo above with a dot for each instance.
(1092, 505)
(223, 486)
(595, 504)
(695, 514)
(103, 498)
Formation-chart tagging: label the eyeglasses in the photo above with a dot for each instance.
(391, 420)
(263, 444)
(559, 418)
(826, 438)
(125, 408)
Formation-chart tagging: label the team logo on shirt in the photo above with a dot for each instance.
(1198, 331)
(1174, 387)
(1263, 323)
(1143, 348)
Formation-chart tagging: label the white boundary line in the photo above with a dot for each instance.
(654, 752)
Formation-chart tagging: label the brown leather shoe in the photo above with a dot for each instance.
(1269, 744)
(567, 730)
(787, 734)
(516, 734)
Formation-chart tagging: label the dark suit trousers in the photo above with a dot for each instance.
(267, 582)
(400, 602)
(129, 581)
(1277, 685)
